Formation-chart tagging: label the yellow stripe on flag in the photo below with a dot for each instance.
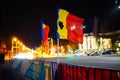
(62, 15)
(47, 73)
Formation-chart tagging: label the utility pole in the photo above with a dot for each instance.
(95, 31)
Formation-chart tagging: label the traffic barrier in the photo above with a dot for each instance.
(21, 65)
(31, 69)
(25, 65)
(40, 70)
(48, 69)
(15, 62)
(73, 72)
(36, 71)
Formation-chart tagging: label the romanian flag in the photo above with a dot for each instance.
(70, 26)
(45, 32)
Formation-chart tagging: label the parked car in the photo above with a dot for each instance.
(95, 53)
(107, 52)
(79, 54)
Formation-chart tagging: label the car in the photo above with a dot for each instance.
(79, 54)
(95, 53)
(107, 52)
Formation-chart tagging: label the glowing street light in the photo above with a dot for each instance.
(119, 7)
(13, 40)
(15, 44)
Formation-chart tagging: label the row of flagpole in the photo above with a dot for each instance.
(69, 27)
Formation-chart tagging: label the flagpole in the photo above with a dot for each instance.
(58, 50)
(42, 35)
(42, 49)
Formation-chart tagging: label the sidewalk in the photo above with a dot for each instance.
(7, 72)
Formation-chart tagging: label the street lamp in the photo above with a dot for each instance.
(119, 7)
(15, 45)
(13, 40)
(18, 46)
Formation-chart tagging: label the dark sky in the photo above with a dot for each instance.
(23, 18)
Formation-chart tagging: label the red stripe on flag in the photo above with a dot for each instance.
(75, 28)
(115, 75)
(84, 70)
(79, 73)
(46, 32)
(70, 73)
(62, 69)
(106, 74)
(98, 73)
(75, 73)
(91, 74)
(64, 72)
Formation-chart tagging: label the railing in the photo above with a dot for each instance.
(49, 70)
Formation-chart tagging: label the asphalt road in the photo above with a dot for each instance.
(104, 62)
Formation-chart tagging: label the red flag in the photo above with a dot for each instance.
(70, 26)
(75, 29)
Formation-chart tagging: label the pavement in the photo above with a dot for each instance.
(9, 73)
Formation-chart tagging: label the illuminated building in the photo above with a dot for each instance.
(105, 41)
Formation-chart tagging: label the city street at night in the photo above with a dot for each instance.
(60, 40)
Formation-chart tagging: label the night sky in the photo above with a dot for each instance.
(22, 19)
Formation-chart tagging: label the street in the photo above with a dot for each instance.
(105, 62)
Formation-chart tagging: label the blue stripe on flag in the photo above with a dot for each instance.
(57, 16)
(42, 30)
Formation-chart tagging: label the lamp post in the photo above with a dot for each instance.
(13, 44)
(18, 46)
